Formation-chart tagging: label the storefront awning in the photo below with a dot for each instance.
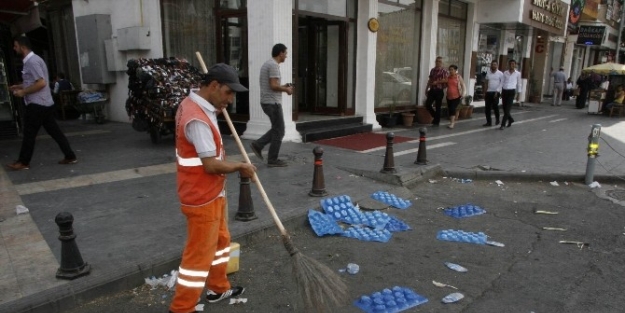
(21, 15)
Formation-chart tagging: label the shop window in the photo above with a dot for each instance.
(189, 26)
(330, 7)
(397, 54)
(451, 34)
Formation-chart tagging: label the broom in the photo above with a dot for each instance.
(319, 287)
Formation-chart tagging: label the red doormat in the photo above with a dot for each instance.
(362, 141)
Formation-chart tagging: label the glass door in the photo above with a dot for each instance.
(321, 66)
(233, 51)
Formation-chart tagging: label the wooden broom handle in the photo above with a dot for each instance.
(276, 219)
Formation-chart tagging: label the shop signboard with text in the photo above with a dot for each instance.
(548, 15)
(590, 35)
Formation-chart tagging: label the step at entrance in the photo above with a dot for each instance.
(332, 128)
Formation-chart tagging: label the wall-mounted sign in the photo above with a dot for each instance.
(590, 35)
(548, 15)
(575, 13)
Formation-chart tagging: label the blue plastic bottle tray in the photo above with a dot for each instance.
(462, 236)
(323, 224)
(391, 199)
(465, 210)
(367, 234)
(341, 209)
(392, 300)
(394, 225)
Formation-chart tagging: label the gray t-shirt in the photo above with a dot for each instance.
(270, 69)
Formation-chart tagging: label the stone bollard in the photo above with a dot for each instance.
(72, 265)
(389, 157)
(422, 153)
(245, 213)
(319, 184)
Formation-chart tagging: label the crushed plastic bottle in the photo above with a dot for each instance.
(353, 268)
(453, 297)
(456, 267)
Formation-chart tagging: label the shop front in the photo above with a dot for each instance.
(528, 39)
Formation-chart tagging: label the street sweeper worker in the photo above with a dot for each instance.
(202, 170)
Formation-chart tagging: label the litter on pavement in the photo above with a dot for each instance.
(453, 297)
(437, 284)
(20, 209)
(554, 228)
(391, 199)
(199, 308)
(238, 300)
(395, 300)
(595, 185)
(499, 183)
(495, 243)
(554, 183)
(580, 244)
(168, 281)
(546, 212)
(353, 268)
(456, 267)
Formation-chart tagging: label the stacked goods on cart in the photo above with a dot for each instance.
(155, 89)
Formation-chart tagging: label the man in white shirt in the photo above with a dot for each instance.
(510, 92)
(494, 82)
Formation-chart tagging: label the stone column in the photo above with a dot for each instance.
(365, 63)
(269, 22)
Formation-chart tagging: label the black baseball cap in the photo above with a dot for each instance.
(224, 74)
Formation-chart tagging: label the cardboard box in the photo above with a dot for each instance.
(235, 254)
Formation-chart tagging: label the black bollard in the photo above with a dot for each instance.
(422, 153)
(319, 184)
(245, 213)
(389, 157)
(72, 265)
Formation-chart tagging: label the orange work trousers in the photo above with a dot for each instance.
(205, 257)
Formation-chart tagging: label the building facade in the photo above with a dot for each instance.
(340, 62)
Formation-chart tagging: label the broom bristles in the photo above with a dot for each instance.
(319, 287)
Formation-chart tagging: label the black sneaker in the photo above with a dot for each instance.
(277, 163)
(256, 151)
(213, 297)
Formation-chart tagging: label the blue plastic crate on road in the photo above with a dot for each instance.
(395, 225)
(342, 209)
(323, 224)
(390, 300)
(367, 234)
(465, 210)
(462, 236)
(391, 199)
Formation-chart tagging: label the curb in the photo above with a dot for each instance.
(502, 175)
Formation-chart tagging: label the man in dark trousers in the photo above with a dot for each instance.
(492, 85)
(271, 91)
(511, 88)
(435, 90)
(39, 106)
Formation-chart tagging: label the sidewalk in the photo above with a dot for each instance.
(126, 215)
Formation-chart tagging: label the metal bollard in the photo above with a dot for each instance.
(422, 153)
(72, 265)
(389, 161)
(593, 152)
(245, 212)
(319, 185)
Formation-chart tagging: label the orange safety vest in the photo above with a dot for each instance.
(196, 186)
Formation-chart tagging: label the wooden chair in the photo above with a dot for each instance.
(616, 108)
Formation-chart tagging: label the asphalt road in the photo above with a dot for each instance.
(532, 273)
